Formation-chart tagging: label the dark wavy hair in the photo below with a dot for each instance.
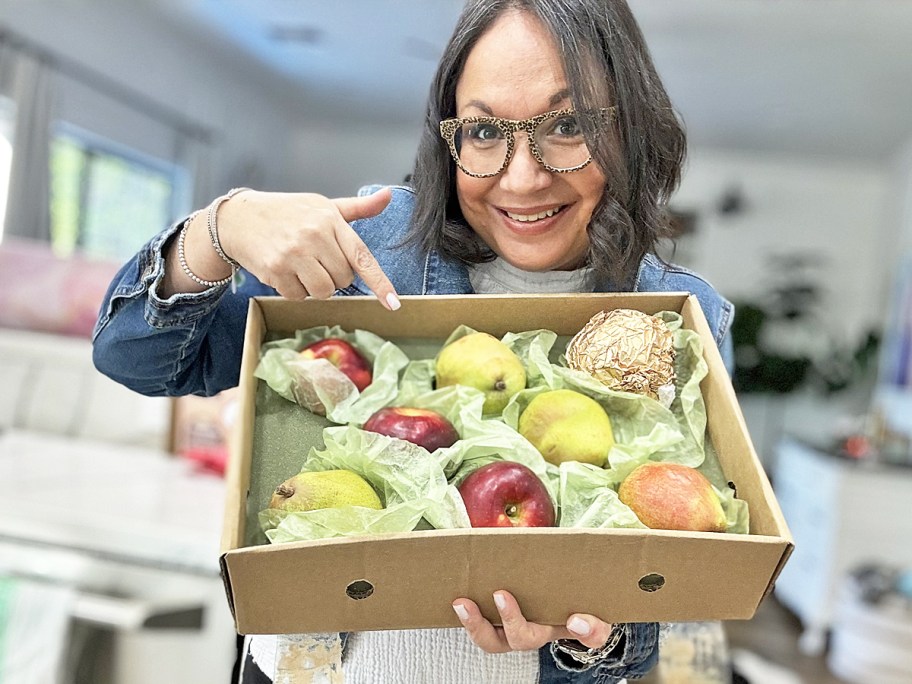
(605, 59)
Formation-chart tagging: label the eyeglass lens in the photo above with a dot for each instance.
(482, 146)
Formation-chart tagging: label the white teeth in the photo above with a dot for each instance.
(533, 217)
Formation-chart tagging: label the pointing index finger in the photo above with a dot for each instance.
(365, 264)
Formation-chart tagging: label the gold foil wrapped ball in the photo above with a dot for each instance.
(628, 351)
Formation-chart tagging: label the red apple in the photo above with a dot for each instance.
(671, 496)
(423, 427)
(506, 494)
(343, 356)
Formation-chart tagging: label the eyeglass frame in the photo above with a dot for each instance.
(509, 127)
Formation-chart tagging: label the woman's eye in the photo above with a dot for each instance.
(566, 126)
(482, 132)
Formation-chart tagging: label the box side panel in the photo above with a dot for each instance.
(786, 554)
(728, 432)
(237, 475)
(226, 584)
(414, 578)
(436, 316)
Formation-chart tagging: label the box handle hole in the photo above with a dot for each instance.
(651, 582)
(359, 589)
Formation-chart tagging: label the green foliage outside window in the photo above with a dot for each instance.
(105, 204)
(67, 168)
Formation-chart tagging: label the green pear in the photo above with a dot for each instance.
(482, 361)
(310, 491)
(567, 426)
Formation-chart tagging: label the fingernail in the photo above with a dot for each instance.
(500, 601)
(393, 301)
(461, 612)
(579, 626)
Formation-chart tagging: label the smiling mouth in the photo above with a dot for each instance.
(531, 218)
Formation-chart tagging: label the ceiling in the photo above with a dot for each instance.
(809, 77)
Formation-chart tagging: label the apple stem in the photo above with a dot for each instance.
(510, 510)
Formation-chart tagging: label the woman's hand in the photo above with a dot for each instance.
(518, 634)
(302, 244)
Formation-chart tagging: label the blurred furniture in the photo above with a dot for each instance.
(841, 513)
(50, 386)
(871, 640)
(201, 428)
(694, 652)
(41, 291)
(91, 500)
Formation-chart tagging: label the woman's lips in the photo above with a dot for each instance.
(532, 227)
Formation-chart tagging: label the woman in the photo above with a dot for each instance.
(549, 150)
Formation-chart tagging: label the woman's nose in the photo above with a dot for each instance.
(524, 174)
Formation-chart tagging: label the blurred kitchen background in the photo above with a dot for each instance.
(118, 118)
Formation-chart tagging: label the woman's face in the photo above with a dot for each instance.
(515, 72)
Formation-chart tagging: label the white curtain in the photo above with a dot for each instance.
(30, 84)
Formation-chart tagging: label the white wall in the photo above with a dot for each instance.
(900, 170)
(837, 210)
(850, 214)
(336, 161)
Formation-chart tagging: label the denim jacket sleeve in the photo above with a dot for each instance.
(185, 344)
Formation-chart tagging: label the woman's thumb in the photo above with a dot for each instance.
(354, 208)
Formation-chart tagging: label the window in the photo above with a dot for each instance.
(107, 200)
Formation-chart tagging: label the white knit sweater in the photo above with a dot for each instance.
(444, 656)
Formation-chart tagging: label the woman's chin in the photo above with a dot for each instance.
(533, 263)
(536, 260)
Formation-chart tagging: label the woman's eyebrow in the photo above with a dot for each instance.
(478, 104)
(557, 98)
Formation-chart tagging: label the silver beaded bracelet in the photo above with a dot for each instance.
(212, 223)
(183, 260)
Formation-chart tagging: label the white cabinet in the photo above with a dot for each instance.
(841, 514)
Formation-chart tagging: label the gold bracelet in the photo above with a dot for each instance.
(183, 259)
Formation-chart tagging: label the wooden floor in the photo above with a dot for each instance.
(773, 635)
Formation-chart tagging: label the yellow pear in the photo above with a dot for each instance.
(567, 426)
(310, 491)
(482, 361)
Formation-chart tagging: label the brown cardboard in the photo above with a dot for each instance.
(414, 577)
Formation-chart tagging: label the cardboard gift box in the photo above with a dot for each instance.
(409, 580)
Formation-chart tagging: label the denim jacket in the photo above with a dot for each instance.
(191, 344)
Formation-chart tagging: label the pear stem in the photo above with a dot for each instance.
(500, 385)
(285, 491)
